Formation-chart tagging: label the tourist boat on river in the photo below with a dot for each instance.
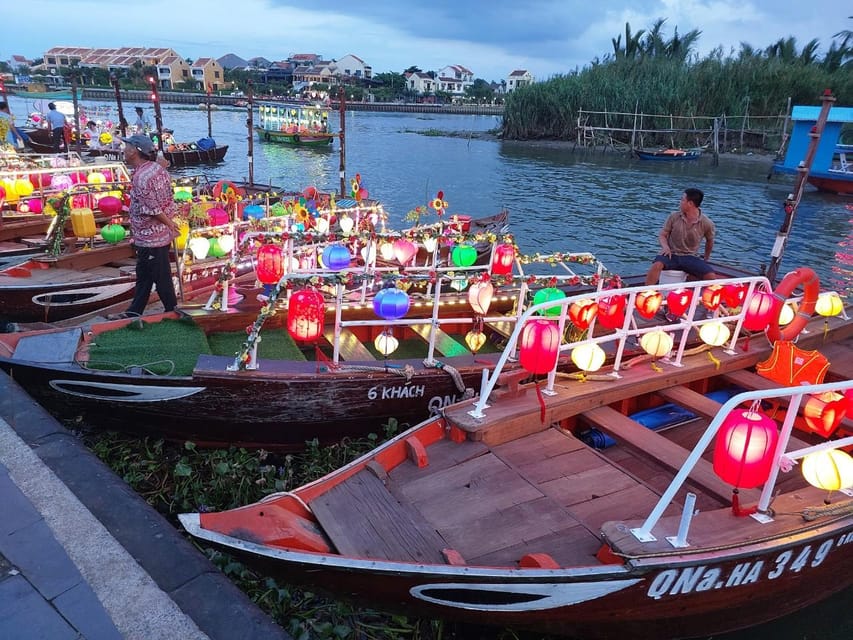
(589, 504)
(294, 124)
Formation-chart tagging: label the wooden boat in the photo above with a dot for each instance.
(499, 512)
(669, 155)
(178, 157)
(838, 177)
(294, 124)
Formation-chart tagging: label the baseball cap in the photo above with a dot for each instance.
(142, 143)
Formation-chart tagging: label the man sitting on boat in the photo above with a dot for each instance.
(680, 238)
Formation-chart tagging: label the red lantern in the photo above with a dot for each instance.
(305, 315)
(40, 179)
(760, 310)
(712, 296)
(502, 259)
(611, 311)
(109, 205)
(270, 266)
(404, 251)
(746, 444)
(733, 294)
(823, 412)
(539, 346)
(582, 313)
(678, 301)
(480, 296)
(849, 395)
(648, 303)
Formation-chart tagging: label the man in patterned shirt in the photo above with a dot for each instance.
(151, 225)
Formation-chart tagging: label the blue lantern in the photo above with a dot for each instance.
(336, 257)
(253, 212)
(391, 303)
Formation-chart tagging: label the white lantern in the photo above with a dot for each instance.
(346, 223)
(386, 250)
(386, 344)
(714, 333)
(226, 243)
(430, 243)
(786, 315)
(199, 246)
(368, 252)
(656, 343)
(588, 356)
(322, 225)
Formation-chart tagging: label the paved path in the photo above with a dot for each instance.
(83, 556)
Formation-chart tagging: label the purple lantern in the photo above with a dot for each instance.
(391, 303)
(336, 257)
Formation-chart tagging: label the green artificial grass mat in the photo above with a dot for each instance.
(157, 346)
(275, 344)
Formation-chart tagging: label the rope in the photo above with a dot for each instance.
(813, 513)
(406, 371)
(454, 374)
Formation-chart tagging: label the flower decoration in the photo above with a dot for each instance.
(438, 204)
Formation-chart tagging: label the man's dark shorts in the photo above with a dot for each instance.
(693, 265)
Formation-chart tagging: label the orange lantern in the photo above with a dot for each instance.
(502, 259)
(760, 310)
(583, 312)
(733, 294)
(306, 312)
(823, 412)
(475, 340)
(270, 266)
(648, 303)
(539, 346)
(480, 296)
(678, 301)
(712, 296)
(611, 311)
(746, 444)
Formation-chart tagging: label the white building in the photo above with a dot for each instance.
(518, 78)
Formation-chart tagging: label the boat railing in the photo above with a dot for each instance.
(782, 459)
(630, 329)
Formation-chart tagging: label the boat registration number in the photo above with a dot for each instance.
(673, 582)
(396, 392)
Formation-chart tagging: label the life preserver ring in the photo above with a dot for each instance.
(806, 278)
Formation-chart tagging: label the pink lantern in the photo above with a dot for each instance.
(109, 205)
(678, 301)
(306, 315)
(404, 251)
(539, 346)
(760, 310)
(217, 216)
(502, 259)
(77, 177)
(61, 182)
(35, 205)
(746, 444)
(40, 179)
(582, 312)
(734, 294)
(480, 296)
(611, 311)
(270, 266)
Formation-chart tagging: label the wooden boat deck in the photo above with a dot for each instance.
(517, 485)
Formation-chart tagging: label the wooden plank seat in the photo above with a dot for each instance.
(655, 446)
(57, 347)
(445, 344)
(363, 519)
(502, 327)
(350, 346)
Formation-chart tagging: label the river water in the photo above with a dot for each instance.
(559, 200)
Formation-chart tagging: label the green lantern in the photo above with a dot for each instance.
(113, 233)
(546, 295)
(463, 255)
(216, 249)
(183, 196)
(278, 209)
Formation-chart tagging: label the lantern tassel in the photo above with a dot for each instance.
(736, 509)
(825, 328)
(745, 345)
(714, 359)
(655, 367)
(541, 400)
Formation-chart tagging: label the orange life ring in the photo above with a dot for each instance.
(806, 278)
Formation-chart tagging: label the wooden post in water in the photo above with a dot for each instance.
(716, 141)
(250, 127)
(158, 116)
(793, 199)
(78, 132)
(342, 106)
(122, 123)
(209, 120)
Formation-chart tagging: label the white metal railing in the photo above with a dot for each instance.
(629, 328)
(781, 456)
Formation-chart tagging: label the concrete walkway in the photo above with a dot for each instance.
(83, 556)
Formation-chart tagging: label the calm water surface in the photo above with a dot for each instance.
(558, 200)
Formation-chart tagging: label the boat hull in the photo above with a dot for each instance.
(663, 156)
(674, 597)
(296, 139)
(196, 156)
(840, 185)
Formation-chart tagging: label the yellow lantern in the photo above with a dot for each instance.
(786, 315)
(183, 233)
(588, 356)
(714, 333)
(829, 304)
(23, 187)
(386, 344)
(656, 343)
(475, 340)
(831, 469)
(96, 177)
